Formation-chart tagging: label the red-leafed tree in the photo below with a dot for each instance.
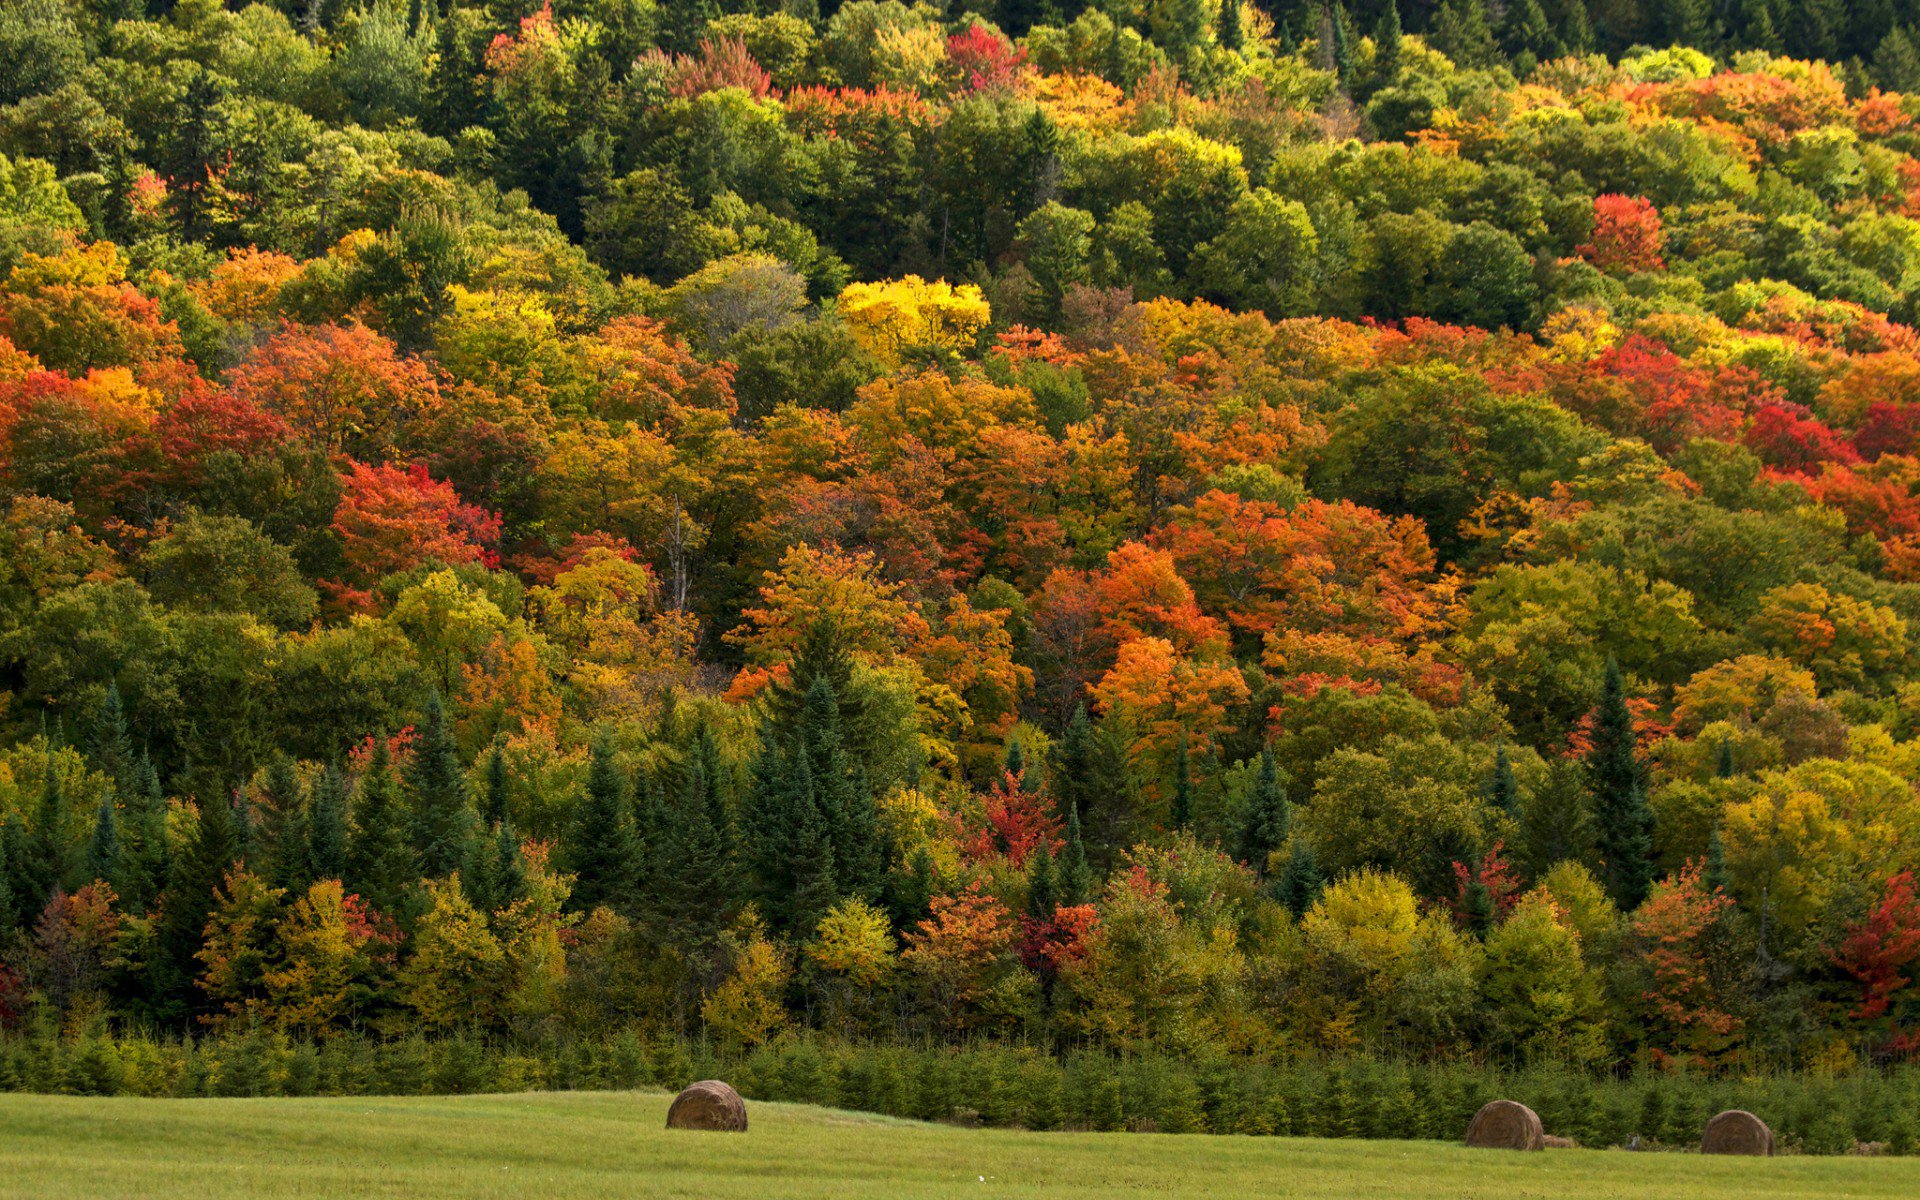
(1627, 235)
(1879, 953)
(1791, 440)
(394, 518)
(1016, 821)
(344, 387)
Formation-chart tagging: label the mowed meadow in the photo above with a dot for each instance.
(585, 1146)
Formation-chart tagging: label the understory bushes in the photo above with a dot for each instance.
(1001, 1085)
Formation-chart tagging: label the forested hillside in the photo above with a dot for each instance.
(1146, 526)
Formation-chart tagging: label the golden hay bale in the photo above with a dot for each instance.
(1551, 1142)
(1736, 1131)
(1506, 1125)
(708, 1104)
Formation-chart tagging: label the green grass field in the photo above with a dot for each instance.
(613, 1145)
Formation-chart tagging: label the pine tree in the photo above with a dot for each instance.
(288, 851)
(202, 869)
(493, 807)
(500, 878)
(1460, 32)
(1714, 876)
(443, 819)
(1090, 775)
(10, 843)
(1075, 884)
(103, 849)
(243, 831)
(599, 845)
(1016, 761)
(1503, 793)
(1232, 32)
(1525, 30)
(327, 828)
(144, 855)
(1301, 883)
(1041, 894)
(1342, 28)
(1180, 813)
(1386, 58)
(698, 881)
(383, 866)
(1723, 766)
(49, 866)
(1896, 62)
(816, 887)
(1268, 817)
(1617, 780)
(109, 746)
(849, 819)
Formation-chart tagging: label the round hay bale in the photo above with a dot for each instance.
(708, 1104)
(1736, 1131)
(1506, 1125)
(1551, 1142)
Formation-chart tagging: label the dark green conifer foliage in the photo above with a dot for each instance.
(1232, 34)
(244, 834)
(11, 843)
(380, 852)
(1075, 878)
(1896, 62)
(109, 745)
(1268, 818)
(1714, 875)
(1617, 780)
(1090, 774)
(288, 848)
(500, 877)
(493, 805)
(202, 868)
(103, 849)
(1301, 883)
(1042, 896)
(599, 844)
(1723, 766)
(327, 828)
(1386, 58)
(1180, 812)
(443, 819)
(850, 822)
(144, 855)
(50, 863)
(698, 879)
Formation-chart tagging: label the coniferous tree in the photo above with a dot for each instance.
(144, 854)
(1723, 765)
(1042, 895)
(1525, 30)
(201, 870)
(49, 866)
(500, 877)
(850, 821)
(327, 828)
(599, 842)
(10, 844)
(383, 865)
(243, 830)
(698, 881)
(1896, 62)
(288, 849)
(1386, 56)
(1180, 812)
(1075, 878)
(1268, 817)
(1232, 33)
(443, 820)
(493, 805)
(1617, 780)
(1090, 775)
(1460, 32)
(1714, 875)
(1301, 883)
(1342, 30)
(103, 849)
(109, 745)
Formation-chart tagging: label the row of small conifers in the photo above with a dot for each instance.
(1499, 1125)
(1511, 1125)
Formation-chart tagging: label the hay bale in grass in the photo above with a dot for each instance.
(1551, 1142)
(708, 1104)
(1736, 1131)
(1506, 1125)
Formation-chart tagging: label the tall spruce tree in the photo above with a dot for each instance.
(327, 827)
(1090, 774)
(1617, 780)
(1075, 878)
(1723, 764)
(50, 863)
(145, 856)
(443, 818)
(493, 801)
(289, 860)
(599, 844)
(1180, 811)
(11, 842)
(698, 884)
(383, 865)
(109, 745)
(1268, 817)
(1300, 883)
(103, 848)
(850, 821)
(201, 870)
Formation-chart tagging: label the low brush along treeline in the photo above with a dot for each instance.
(1003, 1085)
(1150, 538)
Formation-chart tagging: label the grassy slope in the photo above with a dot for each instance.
(612, 1145)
